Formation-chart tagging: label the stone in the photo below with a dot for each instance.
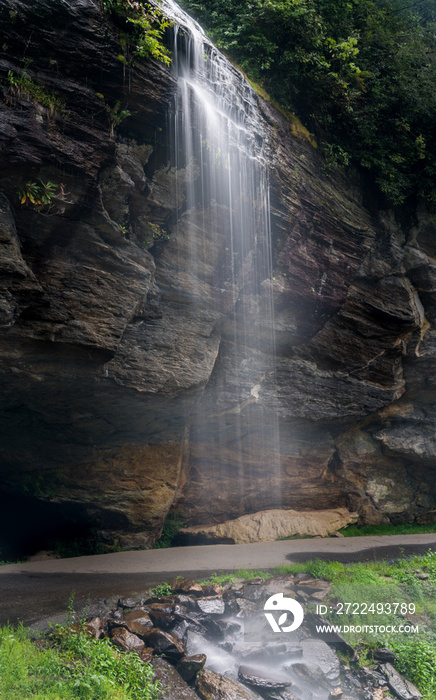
(245, 608)
(402, 688)
(186, 586)
(181, 629)
(384, 655)
(302, 577)
(163, 620)
(187, 601)
(212, 589)
(125, 640)
(228, 627)
(339, 643)
(262, 681)
(316, 651)
(128, 603)
(146, 654)
(138, 621)
(189, 666)
(269, 525)
(214, 685)
(310, 675)
(173, 685)
(164, 643)
(211, 605)
(95, 627)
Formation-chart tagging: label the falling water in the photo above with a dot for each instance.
(219, 144)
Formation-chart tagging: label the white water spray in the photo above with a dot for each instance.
(219, 139)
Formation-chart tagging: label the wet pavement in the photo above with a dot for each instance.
(36, 591)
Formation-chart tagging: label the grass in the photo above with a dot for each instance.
(24, 85)
(70, 665)
(239, 575)
(389, 529)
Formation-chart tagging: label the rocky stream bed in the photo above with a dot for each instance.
(213, 642)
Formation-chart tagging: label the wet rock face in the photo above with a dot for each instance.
(120, 381)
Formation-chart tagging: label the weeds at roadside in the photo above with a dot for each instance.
(161, 590)
(69, 665)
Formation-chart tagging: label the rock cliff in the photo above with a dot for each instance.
(108, 360)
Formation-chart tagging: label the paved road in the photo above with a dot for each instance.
(36, 591)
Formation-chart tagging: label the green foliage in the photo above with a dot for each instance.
(38, 195)
(388, 529)
(81, 546)
(162, 589)
(361, 74)
(70, 666)
(152, 233)
(147, 32)
(417, 660)
(116, 114)
(219, 579)
(24, 85)
(152, 25)
(239, 575)
(173, 523)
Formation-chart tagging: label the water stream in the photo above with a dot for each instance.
(219, 144)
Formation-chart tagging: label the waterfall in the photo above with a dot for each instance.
(219, 151)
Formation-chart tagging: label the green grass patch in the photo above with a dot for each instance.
(24, 85)
(239, 575)
(389, 529)
(70, 665)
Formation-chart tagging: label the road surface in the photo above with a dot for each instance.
(36, 591)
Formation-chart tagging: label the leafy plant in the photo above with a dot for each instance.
(70, 665)
(149, 25)
(24, 85)
(170, 530)
(150, 39)
(162, 589)
(151, 233)
(116, 115)
(39, 195)
(417, 660)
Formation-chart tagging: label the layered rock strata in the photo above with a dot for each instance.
(112, 353)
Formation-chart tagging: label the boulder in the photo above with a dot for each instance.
(125, 640)
(211, 605)
(138, 621)
(402, 688)
(214, 685)
(174, 687)
(264, 681)
(186, 586)
(189, 666)
(164, 643)
(269, 525)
